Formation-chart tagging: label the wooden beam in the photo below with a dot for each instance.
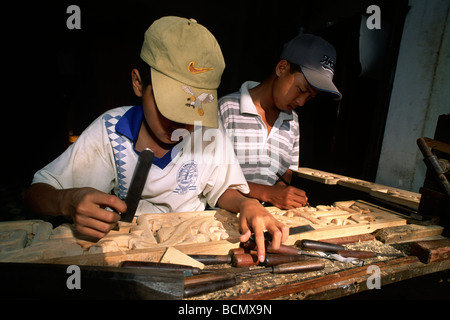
(431, 251)
(407, 233)
(350, 281)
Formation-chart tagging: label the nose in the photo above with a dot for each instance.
(302, 99)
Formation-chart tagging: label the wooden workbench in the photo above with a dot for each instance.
(385, 233)
(338, 279)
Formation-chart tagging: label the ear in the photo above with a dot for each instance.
(282, 66)
(136, 82)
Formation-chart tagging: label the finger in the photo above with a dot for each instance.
(245, 236)
(99, 220)
(90, 227)
(299, 201)
(260, 244)
(87, 231)
(103, 215)
(244, 230)
(110, 201)
(279, 233)
(298, 193)
(275, 232)
(284, 233)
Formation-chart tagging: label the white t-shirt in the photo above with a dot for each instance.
(195, 172)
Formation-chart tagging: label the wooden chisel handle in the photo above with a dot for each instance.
(247, 260)
(251, 245)
(159, 266)
(356, 254)
(217, 259)
(299, 266)
(211, 259)
(207, 278)
(319, 246)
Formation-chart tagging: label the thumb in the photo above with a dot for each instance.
(245, 235)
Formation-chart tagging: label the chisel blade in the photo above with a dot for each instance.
(137, 184)
(294, 230)
(300, 229)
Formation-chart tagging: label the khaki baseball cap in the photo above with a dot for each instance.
(186, 67)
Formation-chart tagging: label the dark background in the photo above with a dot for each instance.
(59, 80)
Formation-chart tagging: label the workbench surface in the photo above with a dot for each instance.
(338, 279)
(425, 251)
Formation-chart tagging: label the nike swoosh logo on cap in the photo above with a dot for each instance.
(195, 70)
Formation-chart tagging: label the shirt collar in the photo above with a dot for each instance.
(247, 105)
(130, 123)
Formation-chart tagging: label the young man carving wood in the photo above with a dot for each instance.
(263, 126)
(185, 64)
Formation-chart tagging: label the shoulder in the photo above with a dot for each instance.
(230, 101)
(115, 113)
(229, 107)
(106, 122)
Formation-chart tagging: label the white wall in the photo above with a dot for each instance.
(421, 92)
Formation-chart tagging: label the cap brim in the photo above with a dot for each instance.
(321, 82)
(183, 103)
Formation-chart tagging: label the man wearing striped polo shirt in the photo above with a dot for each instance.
(263, 126)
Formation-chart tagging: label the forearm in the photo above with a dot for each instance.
(45, 199)
(86, 207)
(233, 201)
(260, 191)
(265, 192)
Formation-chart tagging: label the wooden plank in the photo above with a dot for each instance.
(175, 256)
(401, 197)
(150, 254)
(431, 251)
(317, 175)
(407, 233)
(394, 195)
(438, 145)
(132, 242)
(351, 239)
(376, 218)
(349, 281)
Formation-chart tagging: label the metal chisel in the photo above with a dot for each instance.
(251, 243)
(138, 181)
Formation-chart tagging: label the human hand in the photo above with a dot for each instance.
(287, 197)
(87, 208)
(255, 218)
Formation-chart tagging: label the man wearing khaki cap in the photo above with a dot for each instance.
(194, 163)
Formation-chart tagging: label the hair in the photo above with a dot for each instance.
(294, 68)
(144, 72)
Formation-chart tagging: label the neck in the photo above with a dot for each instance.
(147, 139)
(262, 95)
(263, 100)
